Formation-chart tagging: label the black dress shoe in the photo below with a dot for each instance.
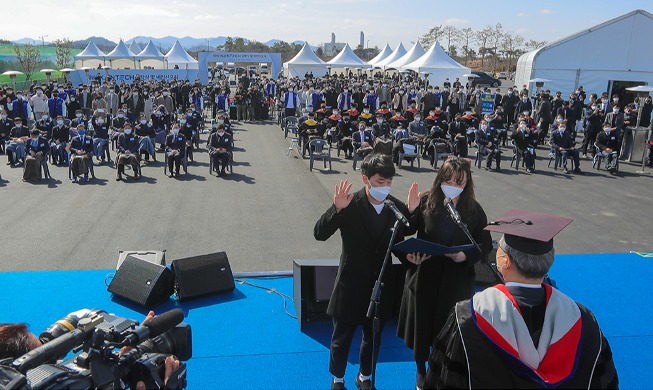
(119, 178)
(363, 385)
(337, 385)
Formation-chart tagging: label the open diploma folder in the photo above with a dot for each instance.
(415, 245)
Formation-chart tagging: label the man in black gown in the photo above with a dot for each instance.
(524, 334)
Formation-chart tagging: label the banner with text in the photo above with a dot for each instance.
(129, 75)
(206, 57)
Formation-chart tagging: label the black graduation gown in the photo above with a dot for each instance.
(462, 352)
(365, 237)
(432, 288)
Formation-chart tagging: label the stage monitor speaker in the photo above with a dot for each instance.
(142, 282)
(155, 257)
(202, 275)
(313, 281)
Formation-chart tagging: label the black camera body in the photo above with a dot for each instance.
(98, 363)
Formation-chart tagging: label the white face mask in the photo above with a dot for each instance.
(483, 127)
(128, 131)
(220, 133)
(78, 115)
(143, 122)
(562, 129)
(60, 122)
(379, 193)
(121, 116)
(451, 192)
(100, 121)
(175, 130)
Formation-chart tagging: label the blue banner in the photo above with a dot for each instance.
(488, 103)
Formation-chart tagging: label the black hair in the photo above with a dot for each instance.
(378, 163)
(14, 340)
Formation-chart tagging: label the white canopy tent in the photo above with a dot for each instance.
(91, 56)
(177, 56)
(121, 57)
(608, 57)
(305, 61)
(151, 56)
(399, 52)
(382, 55)
(347, 58)
(439, 66)
(412, 55)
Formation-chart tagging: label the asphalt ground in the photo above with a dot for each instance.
(263, 214)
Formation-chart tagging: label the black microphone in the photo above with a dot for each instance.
(155, 327)
(396, 212)
(448, 204)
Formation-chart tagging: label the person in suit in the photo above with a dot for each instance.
(563, 141)
(112, 102)
(525, 142)
(86, 101)
(615, 119)
(434, 285)
(364, 223)
(593, 124)
(36, 148)
(60, 138)
(290, 102)
(219, 146)
(487, 139)
(608, 145)
(101, 137)
(175, 149)
(544, 116)
(523, 334)
(128, 145)
(146, 133)
(363, 139)
(509, 103)
(81, 154)
(458, 134)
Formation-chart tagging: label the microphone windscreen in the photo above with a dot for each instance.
(168, 320)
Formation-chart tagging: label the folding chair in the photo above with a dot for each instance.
(319, 149)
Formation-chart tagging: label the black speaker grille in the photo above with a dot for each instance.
(140, 281)
(201, 275)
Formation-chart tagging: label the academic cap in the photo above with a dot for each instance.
(529, 231)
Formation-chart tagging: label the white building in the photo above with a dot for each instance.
(608, 57)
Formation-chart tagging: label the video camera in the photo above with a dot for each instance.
(100, 364)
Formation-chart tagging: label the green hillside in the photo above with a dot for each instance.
(46, 51)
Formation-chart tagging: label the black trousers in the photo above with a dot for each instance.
(176, 160)
(343, 333)
(220, 157)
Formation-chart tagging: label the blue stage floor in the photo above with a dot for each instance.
(246, 340)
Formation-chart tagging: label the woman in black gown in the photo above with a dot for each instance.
(434, 284)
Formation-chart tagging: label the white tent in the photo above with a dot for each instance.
(177, 56)
(412, 55)
(90, 56)
(121, 56)
(305, 61)
(151, 56)
(605, 58)
(399, 52)
(347, 58)
(438, 65)
(382, 55)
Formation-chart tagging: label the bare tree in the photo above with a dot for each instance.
(495, 38)
(534, 45)
(29, 57)
(452, 34)
(482, 37)
(466, 35)
(430, 37)
(63, 51)
(511, 47)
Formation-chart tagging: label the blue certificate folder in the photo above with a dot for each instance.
(416, 245)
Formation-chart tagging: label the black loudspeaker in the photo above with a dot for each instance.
(313, 281)
(143, 282)
(202, 275)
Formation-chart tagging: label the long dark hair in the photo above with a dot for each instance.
(454, 167)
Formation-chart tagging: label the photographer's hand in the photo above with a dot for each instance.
(171, 364)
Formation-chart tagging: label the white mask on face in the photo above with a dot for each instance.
(379, 193)
(60, 122)
(483, 127)
(128, 131)
(451, 192)
(143, 122)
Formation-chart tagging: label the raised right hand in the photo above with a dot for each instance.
(342, 197)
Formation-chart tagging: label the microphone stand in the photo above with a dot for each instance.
(375, 301)
(483, 256)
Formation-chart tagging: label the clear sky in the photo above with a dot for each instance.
(383, 21)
